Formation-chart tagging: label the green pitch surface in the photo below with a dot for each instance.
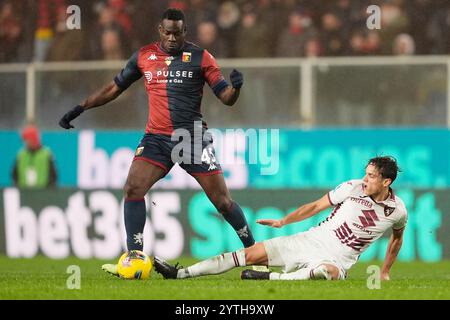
(43, 278)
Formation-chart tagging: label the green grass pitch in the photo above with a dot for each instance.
(43, 278)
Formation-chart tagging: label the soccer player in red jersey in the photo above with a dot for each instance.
(174, 72)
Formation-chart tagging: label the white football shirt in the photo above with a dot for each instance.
(357, 221)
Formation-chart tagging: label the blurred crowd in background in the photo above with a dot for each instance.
(35, 30)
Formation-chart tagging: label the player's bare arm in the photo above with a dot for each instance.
(394, 246)
(303, 212)
(230, 94)
(102, 96)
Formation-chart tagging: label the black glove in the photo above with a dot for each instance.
(69, 116)
(237, 79)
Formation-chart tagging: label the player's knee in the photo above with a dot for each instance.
(223, 204)
(256, 255)
(249, 256)
(333, 271)
(133, 189)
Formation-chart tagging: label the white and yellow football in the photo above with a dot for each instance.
(134, 264)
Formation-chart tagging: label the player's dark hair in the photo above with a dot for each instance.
(386, 166)
(173, 14)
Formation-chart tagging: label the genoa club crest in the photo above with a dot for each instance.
(186, 57)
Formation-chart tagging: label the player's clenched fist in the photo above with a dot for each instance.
(237, 79)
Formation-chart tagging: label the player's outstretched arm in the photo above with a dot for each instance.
(304, 212)
(98, 98)
(229, 95)
(394, 246)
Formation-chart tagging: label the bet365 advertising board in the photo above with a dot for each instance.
(89, 224)
(269, 171)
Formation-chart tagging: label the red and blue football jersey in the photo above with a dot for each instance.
(174, 84)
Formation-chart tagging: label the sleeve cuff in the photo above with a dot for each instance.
(329, 199)
(119, 83)
(219, 87)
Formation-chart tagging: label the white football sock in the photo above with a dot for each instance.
(317, 273)
(215, 265)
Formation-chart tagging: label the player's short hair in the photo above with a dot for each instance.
(386, 166)
(173, 14)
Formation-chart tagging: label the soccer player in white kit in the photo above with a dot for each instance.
(363, 211)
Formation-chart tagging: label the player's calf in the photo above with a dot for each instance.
(234, 215)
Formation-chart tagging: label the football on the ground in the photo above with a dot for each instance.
(134, 264)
